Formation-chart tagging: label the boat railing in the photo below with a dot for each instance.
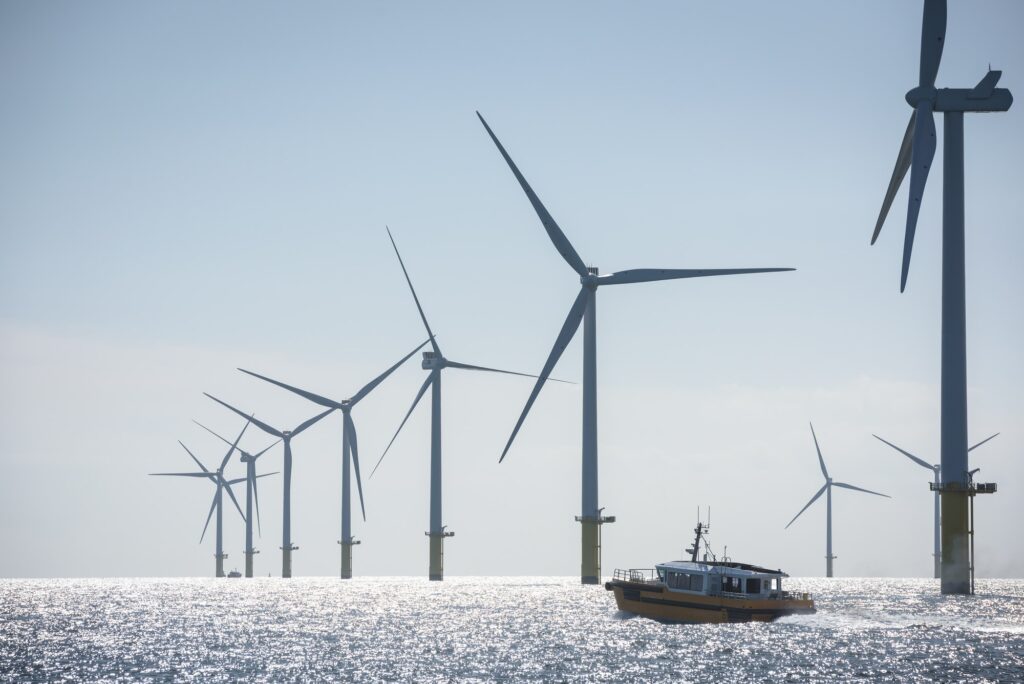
(642, 575)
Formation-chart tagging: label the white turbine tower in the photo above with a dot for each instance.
(584, 310)
(433, 361)
(349, 451)
(916, 154)
(251, 492)
(827, 490)
(937, 473)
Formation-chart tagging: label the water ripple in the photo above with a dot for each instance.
(491, 629)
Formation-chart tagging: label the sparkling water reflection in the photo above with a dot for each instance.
(491, 629)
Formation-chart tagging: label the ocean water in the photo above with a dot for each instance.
(467, 629)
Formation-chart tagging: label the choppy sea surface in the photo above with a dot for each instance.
(544, 629)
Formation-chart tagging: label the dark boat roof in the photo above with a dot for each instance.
(683, 564)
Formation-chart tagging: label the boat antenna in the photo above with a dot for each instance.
(700, 531)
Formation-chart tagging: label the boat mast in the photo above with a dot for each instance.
(699, 530)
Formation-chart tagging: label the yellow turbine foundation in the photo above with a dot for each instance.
(346, 561)
(956, 552)
(437, 554)
(590, 571)
(286, 562)
(346, 558)
(436, 557)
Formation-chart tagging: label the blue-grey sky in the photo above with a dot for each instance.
(186, 188)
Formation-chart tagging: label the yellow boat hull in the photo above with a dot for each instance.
(656, 601)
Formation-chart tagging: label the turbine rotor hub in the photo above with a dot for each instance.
(921, 94)
(433, 360)
(590, 280)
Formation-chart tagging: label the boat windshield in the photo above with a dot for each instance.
(688, 581)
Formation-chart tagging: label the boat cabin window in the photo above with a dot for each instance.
(684, 580)
(753, 585)
(733, 584)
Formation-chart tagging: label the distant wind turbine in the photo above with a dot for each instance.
(251, 491)
(937, 472)
(827, 490)
(433, 361)
(217, 478)
(349, 449)
(584, 309)
(916, 154)
(286, 436)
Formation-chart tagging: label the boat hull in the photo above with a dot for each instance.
(656, 601)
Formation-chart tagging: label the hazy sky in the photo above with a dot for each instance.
(190, 187)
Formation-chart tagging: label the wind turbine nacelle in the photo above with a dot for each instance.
(962, 99)
(432, 360)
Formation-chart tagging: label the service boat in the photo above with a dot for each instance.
(706, 591)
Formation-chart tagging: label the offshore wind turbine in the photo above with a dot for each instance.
(916, 154)
(349, 450)
(584, 309)
(936, 469)
(217, 478)
(435, 362)
(251, 491)
(827, 490)
(286, 436)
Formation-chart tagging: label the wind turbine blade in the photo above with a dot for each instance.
(310, 422)
(209, 515)
(921, 161)
(201, 466)
(859, 489)
(234, 446)
(983, 441)
(986, 86)
(565, 335)
(315, 398)
(237, 480)
(466, 366)
(648, 275)
(370, 386)
(933, 35)
(821, 460)
(208, 476)
(561, 242)
(226, 441)
(912, 457)
(260, 424)
(898, 173)
(813, 499)
(266, 450)
(419, 395)
(423, 316)
(354, 446)
(227, 486)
